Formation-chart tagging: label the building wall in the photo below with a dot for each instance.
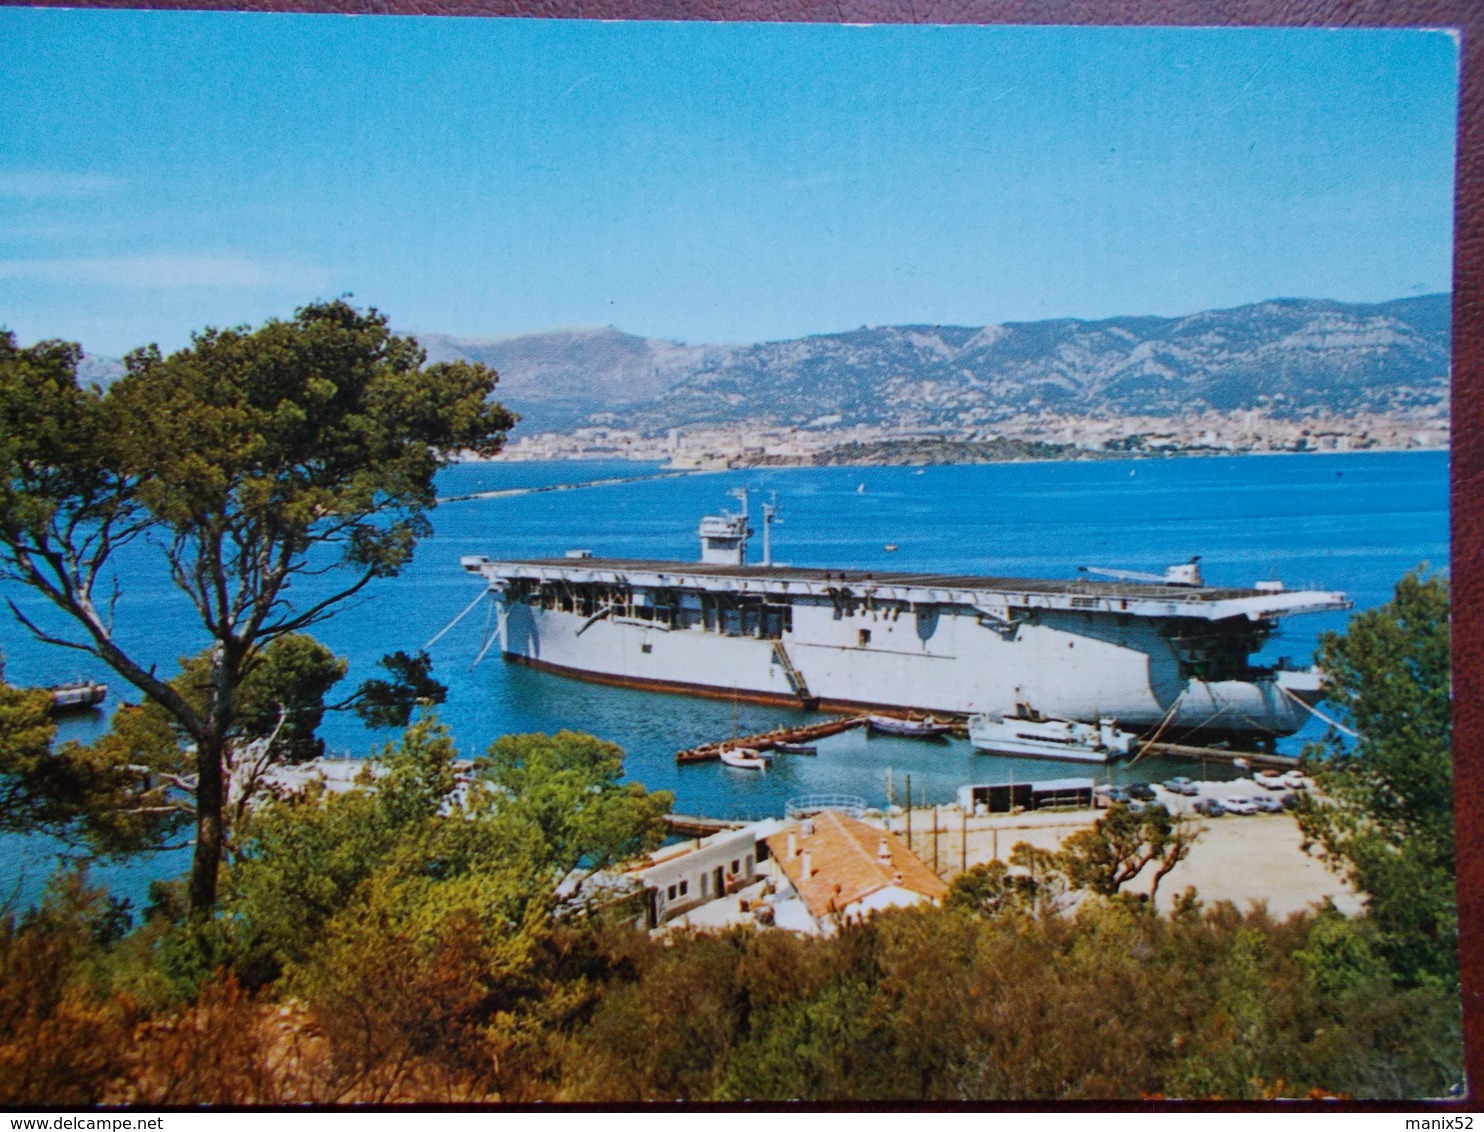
(689, 879)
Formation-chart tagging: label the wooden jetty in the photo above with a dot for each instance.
(708, 752)
(691, 825)
(1217, 754)
(768, 740)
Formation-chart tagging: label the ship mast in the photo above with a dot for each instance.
(770, 510)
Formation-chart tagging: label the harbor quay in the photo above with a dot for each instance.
(1247, 860)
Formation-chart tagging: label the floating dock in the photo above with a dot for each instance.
(709, 752)
(1218, 754)
(692, 825)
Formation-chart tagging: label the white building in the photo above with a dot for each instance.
(681, 877)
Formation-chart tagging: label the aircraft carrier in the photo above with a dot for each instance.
(1161, 653)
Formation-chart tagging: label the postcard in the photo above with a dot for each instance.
(579, 561)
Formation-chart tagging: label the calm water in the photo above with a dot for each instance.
(1353, 522)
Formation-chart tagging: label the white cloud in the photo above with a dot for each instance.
(35, 184)
(166, 272)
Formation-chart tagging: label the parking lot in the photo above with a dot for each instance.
(1223, 792)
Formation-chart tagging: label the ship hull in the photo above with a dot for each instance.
(1063, 666)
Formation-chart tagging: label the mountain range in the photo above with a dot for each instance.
(1281, 356)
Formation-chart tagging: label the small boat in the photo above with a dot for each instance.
(795, 749)
(918, 728)
(79, 695)
(1052, 739)
(891, 546)
(745, 758)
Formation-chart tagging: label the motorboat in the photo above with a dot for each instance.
(79, 695)
(1052, 738)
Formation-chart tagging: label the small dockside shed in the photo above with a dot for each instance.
(1002, 798)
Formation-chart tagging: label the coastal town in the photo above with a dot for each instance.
(1024, 436)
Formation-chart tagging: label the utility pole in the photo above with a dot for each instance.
(963, 842)
(909, 811)
(935, 838)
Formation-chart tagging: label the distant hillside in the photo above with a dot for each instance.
(95, 370)
(1282, 355)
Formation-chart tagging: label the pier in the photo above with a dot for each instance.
(692, 825)
(768, 740)
(1217, 754)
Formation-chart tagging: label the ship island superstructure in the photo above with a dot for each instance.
(1168, 655)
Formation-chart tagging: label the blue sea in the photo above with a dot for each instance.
(1354, 522)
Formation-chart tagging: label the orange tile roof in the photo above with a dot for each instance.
(845, 864)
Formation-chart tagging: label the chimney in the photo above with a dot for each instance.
(883, 852)
(793, 846)
(804, 867)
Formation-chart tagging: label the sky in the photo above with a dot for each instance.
(161, 172)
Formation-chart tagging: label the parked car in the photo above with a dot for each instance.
(1210, 808)
(1240, 805)
(1270, 780)
(1182, 786)
(1141, 791)
(1295, 781)
(1267, 804)
(1289, 801)
(1110, 795)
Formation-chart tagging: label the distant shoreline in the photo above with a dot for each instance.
(1074, 456)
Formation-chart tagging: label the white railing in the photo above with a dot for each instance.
(849, 804)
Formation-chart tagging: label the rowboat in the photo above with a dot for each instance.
(918, 728)
(745, 758)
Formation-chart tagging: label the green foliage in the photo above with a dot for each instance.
(991, 889)
(1099, 860)
(132, 788)
(101, 795)
(1386, 812)
(453, 985)
(564, 790)
(924, 1005)
(390, 703)
(34, 791)
(62, 1034)
(1118, 847)
(1340, 955)
(256, 459)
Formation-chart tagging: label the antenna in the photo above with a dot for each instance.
(770, 511)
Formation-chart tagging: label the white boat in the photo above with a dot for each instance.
(919, 728)
(1053, 738)
(745, 758)
(78, 695)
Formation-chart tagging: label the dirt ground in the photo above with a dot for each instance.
(1245, 859)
